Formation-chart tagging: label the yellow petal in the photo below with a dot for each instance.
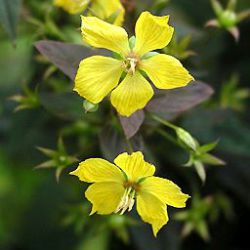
(134, 166)
(166, 72)
(100, 34)
(96, 77)
(152, 32)
(98, 170)
(151, 210)
(105, 196)
(132, 94)
(72, 6)
(165, 190)
(111, 11)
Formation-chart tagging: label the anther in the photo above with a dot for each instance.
(127, 202)
(130, 64)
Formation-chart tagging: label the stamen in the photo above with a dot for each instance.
(133, 63)
(130, 63)
(127, 202)
(131, 202)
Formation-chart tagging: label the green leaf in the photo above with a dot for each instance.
(9, 13)
(60, 146)
(200, 170)
(202, 229)
(243, 15)
(187, 229)
(217, 7)
(46, 151)
(58, 173)
(231, 5)
(208, 147)
(46, 164)
(212, 160)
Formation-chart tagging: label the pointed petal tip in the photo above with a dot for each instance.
(212, 23)
(73, 172)
(155, 233)
(235, 32)
(93, 211)
(157, 229)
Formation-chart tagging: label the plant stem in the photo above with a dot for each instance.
(164, 122)
(129, 146)
(167, 136)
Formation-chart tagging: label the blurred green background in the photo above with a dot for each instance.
(37, 212)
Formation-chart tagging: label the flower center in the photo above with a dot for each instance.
(128, 199)
(130, 63)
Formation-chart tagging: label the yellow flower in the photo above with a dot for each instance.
(116, 187)
(72, 6)
(109, 10)
(97, 76)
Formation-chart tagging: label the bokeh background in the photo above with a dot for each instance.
(37, 212)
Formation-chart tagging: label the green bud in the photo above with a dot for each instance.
(228, 19)
(117, 221)
(89, 106)
(186, 138)
(62, 159)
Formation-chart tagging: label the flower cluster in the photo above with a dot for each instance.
(127, 77)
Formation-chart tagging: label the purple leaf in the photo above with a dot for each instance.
(112, 142)
(181, 99)
(132, 124)
(66, 106)
(65, 56)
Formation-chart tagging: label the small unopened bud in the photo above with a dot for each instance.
(89, 106)
(228, 19)
(186, 138)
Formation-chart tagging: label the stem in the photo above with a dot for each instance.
(164, 122)
(168, 136)
(129, 146)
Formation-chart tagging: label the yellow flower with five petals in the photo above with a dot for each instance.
(97, 76)
(109, 10)
(116, 187)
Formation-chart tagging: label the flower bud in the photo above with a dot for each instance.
(89, 106)
(228, 19)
